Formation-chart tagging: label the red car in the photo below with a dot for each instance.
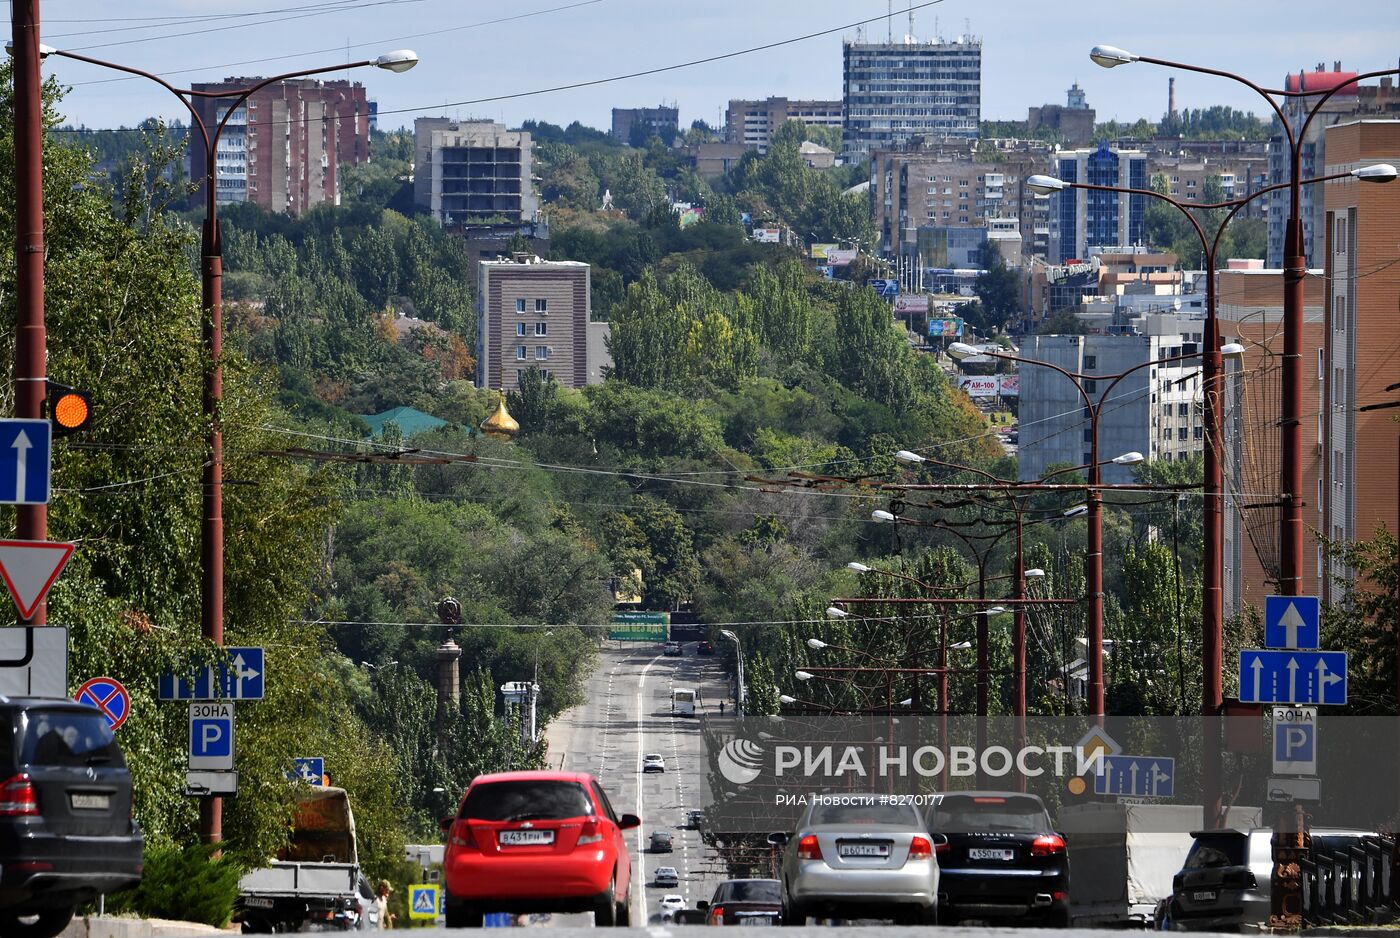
(537, 842)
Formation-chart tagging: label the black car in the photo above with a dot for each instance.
(999, 858)
(66, 832)
(705, 648)
(744, 902)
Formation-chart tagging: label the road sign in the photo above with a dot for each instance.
(211, 736)
(1144, 776)
(203, 784)
(886, 287)
(242, 678)
(1285, 676)
(1295, 740)
(423, 902)
(108, 695)
(29, 568)
(1288, 789)
(1291, 621)
(25, 450)
(34, 661)
(310, 769)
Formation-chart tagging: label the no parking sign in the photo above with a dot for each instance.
(108, 695)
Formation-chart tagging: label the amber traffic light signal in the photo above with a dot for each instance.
(70, 410)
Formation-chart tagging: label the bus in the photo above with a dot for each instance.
(683, 702)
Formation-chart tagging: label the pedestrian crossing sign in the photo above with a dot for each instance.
(422, 902)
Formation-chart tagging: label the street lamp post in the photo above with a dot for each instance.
(211, 334)
(738, 671)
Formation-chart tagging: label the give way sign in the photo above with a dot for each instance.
(29, 568)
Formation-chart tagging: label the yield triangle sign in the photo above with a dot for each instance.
(29, 568)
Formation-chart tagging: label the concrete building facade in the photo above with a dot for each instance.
(473, 172)
(1084, 219)
(895, 92)
(1073, 120)
(283, 147)
(1155, 411)
(663, 122)
(532, 313)
(752, 123)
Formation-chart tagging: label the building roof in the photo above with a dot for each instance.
(810, 147)
(1320, 81)
(409, 420)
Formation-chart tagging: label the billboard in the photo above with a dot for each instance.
(768, 235)
(888, 288)
(819, 251)
(688, 214)
(911, 303)
(639, 626)
(1010, 386)
(951, 327)
(841, 257)
(979, 385)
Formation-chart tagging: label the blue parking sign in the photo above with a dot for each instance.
(1295, 740)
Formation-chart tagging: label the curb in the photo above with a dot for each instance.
(110, 927)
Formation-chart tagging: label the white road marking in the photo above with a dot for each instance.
(640, 874)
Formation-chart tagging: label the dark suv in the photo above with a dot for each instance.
(66, 831)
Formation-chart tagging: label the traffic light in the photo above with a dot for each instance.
(70, 410)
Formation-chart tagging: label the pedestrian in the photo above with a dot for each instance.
(386, 919)
(721, 708)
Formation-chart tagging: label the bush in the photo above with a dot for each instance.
(187, 885)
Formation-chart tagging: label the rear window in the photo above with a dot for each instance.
(69, 738)
(960, 814)
(874, 813)
(1215, 850)
(751, 890)
(526, 801)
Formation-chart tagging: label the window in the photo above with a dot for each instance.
(521, 353)
(1088, 458)
(520, 306)
(1091, 386)
(541, 328)
(1088, 435)
(542, 352)
(1321, 368)
(1338, 468)
(520, 328)
(1339, 313)
(1181, 410)
(1197, 432)
(1181, 433)
(1091, 362)
(541, 305)
(1339, 391)
(1339, 241)
(1319, 494)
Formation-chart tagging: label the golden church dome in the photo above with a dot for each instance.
(501, 424)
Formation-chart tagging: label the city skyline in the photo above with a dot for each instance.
(569, 41)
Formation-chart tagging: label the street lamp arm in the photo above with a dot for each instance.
(130, 70)
(253, 89)
(1317, 107)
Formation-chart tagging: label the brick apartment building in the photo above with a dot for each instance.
(283, 147)
(753, 123)
(534, 313)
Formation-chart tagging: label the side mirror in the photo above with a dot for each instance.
(702, 905)
(628, 821)
(445, 825)
(779, 839)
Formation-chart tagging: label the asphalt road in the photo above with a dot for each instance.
(627, 714)
(673, 931)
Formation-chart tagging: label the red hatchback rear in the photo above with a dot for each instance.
(537, 842)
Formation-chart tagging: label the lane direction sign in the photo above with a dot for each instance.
(1143, 776)
(243, 677)
(29, 569)
(34, 661)
(1295, 741)
(1285, 676)
(211, 736)
(108, 695)
(25, 458)
(310, 769)
(1291, 621)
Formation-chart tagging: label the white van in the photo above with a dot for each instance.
(683, 702)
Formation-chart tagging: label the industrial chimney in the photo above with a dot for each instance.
(1171, 96)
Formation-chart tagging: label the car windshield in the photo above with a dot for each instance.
(750, 890)
(957, 814)
(872, 813)
(526, 801)
(69, 738)
(653, 757)
(1215, 850)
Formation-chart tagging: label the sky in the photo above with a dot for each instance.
(465, 57)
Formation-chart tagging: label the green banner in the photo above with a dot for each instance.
(640, 626)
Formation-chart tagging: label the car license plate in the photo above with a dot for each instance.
(525, 838)
(752, 919)
(990, 853)
(86, 801)
(257, 902)
(1208, 895)
(863, 850)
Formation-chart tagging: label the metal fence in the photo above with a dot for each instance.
(1352, 884)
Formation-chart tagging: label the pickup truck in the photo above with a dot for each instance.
(314, 878)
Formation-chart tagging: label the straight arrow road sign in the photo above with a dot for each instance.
(25, 458)
(1142, 776)
(243, 678)
(1286, 676)
(1291, 621)
(29, 569)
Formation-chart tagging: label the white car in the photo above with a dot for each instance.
(666, 876)
(671, 903)
(652, 762)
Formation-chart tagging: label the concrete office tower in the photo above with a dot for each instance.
(472, 172)
(1154, 411)
(897, 91)
(1082, 219)
(534, 313)
(282, 149)
(661, 121)
(753, 123)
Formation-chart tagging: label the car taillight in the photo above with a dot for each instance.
(1047, 845)
(461, 835)
(590, 834)
(920, 849)
(808, 848)
(717, 915)
(942, 847)
(17, 797)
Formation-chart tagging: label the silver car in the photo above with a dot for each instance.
(858, 856)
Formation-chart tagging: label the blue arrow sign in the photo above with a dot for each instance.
(242, 678)
(310, 769)
(1143, 776)
(1285, 676)
(25, 456)
(1291, 621)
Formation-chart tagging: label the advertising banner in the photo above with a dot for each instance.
(768, 235)
(888, 288)
(979, 385)
(841, 257)
(911, 303)
(951, 327)
(639, 626)
(1010, 385)
(819, 251)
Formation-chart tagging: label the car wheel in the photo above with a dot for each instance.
(461, 915)
(926, 915)
(794, 915)
(624, 912)
(45, 924)
(1060, 919)
(605, 908)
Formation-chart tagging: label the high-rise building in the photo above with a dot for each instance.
(895, 92)
(473, 172)
(644, 122)
(534, 313)
(1084, 219)
(753, 123)
(282, 148)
